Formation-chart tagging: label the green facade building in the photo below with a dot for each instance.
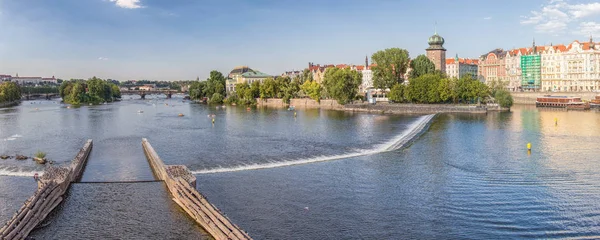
(531, 67)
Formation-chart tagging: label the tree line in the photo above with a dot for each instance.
(94, 90)
(9, 91)
(422, 84)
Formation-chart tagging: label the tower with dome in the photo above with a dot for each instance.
(436, 52)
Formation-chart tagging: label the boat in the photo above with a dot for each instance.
(140, 111)
(578, 106)
(595, 103)
(181, 115)
(549, 101)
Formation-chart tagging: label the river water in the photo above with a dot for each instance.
(320, 175)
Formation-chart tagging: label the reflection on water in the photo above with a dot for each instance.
(469, 176)
(120, 211)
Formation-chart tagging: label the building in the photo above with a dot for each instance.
(5, 78)
(574, 67)
(492, 67)
(436, 52)
(244, 74)
(459, 67)
(292, 74)
(147, 87)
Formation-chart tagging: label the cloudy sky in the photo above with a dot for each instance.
(182, 39)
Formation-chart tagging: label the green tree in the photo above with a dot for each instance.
(197, 90)
(503, 98)
(216, 98)
(116, 92)
(215, 84)
(342, 84)
(268, 89)
(397, 93)
(391, 66)
(312, 89)
(421, 66)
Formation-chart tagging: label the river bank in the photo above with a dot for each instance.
(392, 108)
(9, 104)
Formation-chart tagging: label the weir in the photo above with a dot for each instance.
(181, 183)
(52, 185)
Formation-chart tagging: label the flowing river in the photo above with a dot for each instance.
(320, 175)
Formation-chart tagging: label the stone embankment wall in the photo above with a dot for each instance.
(52, 185)
(530, 97)
(300, 103)
(415, 108)
(182, 185)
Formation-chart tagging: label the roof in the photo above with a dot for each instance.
(255, 74)
(462, 61)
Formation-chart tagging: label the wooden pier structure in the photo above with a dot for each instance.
(182, 185)
(52, 186)
(180, 182)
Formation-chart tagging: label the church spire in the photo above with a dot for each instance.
(366, 61)
(534, 49)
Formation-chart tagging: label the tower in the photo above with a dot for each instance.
(436, 52)
(366, 62)
(533, 48)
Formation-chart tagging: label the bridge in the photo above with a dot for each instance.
(46, 96)
(54, 184)
(143, 93)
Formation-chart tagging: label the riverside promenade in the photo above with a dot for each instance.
(52, 186)
(182, 185)
(391, 108)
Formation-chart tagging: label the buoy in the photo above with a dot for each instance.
(555, 121)
(181, 115)
(213, 121)
(529, 146)
(295, 114)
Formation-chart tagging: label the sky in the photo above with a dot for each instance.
(185, 39)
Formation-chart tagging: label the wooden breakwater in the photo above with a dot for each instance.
(182, 185)
(52, 185)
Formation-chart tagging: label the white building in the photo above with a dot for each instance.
(575, 67)
(458, 67)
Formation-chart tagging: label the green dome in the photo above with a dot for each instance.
(436, 40)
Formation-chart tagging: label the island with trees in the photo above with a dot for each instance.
(92, 91)
(10, 93)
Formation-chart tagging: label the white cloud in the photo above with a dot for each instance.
(588, 28)
(584, 10)
(557, 16)
(102, 58)
(131, 4)
(487, 18)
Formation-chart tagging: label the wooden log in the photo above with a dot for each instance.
(199, 206)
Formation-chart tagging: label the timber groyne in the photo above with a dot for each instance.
(181, 183)
(52, 186)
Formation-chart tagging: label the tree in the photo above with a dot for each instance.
(397, 93)
(216, 98)
(421, 66)
(268, 89)
(391, 66)
(214, 84)
(342, 84)
(197, 90)
(9, 91)
(312, 89)
(504, 98)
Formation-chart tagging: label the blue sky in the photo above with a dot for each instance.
(182, 39)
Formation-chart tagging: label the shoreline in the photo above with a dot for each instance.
(383, 108)
(9, 104)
